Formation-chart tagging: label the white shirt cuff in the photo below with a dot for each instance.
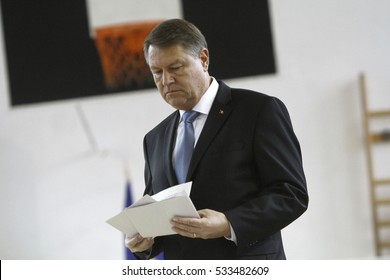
(232, 235)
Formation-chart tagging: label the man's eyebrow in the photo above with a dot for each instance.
(177, 61)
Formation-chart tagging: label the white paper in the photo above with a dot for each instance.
(173, 191)
(123, 223)
(150, 216)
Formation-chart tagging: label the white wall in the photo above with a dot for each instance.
(56, 192)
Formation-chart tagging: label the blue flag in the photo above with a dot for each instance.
(128, 201)
(160, 256)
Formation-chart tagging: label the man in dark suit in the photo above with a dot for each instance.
(246, 166)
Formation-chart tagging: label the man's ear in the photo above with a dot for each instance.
(204, 57)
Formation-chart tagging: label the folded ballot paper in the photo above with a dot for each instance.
(150, 216)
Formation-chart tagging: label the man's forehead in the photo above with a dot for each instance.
(166, 56)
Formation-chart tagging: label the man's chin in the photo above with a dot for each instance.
(179, 105)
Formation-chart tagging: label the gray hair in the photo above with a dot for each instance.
(174, 32)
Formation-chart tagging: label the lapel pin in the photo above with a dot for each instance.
(221, 112)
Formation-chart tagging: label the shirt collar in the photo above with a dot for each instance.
(205, 103)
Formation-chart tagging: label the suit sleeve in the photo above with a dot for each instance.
(156, 248)
(282, 195)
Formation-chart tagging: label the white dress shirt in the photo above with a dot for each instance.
(203, 107)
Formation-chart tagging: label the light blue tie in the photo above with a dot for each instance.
(184, 151)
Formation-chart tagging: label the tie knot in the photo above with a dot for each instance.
(190, 116)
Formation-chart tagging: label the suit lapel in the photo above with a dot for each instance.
(219, 113)
(169, 142)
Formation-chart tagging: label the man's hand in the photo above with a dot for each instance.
(212, 224)
(137, 243)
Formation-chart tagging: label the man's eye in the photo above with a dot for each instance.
(177, 68)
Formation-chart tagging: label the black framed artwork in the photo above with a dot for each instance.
(51, 54)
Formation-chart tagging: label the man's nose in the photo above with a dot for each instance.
(167, 78)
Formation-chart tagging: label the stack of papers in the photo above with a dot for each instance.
(151, 215)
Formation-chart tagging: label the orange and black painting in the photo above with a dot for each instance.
(51, 55)
(121, 53)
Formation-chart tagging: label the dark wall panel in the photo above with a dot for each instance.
(50, 54)
(238, 33)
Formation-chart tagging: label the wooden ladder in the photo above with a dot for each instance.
(372, 138)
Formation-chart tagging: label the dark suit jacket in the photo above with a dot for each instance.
(247, 164)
